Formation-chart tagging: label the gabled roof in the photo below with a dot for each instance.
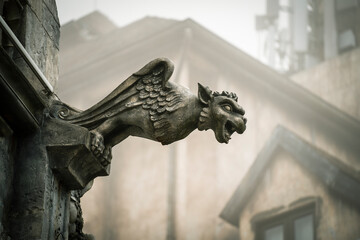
(337, 177)
(86, 28)
(98, 29)
(118, 47)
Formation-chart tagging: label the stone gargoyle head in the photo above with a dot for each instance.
(221, 113)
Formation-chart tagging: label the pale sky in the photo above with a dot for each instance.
(233, 20)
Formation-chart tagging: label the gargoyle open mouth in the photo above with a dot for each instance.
(228, 130)
(230, 127)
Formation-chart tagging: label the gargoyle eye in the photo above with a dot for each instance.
(227, 107)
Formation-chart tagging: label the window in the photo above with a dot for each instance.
(275, 233)
(297, 224)
(347, 22)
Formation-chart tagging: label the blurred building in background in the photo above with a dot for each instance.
(298, 158)
(297, 35)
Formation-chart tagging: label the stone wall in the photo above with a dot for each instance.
(33, 203)
(6, 175)
(39, 209)
(42, 20)
(36, 24)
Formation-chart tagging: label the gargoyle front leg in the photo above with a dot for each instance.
(98, 148)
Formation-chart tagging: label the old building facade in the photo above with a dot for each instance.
(41, 155)
(32, 200)
(297, 163)
(179, 191)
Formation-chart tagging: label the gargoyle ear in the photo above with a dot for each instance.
(204, 94)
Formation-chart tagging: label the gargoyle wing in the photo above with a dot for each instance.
(147, 87)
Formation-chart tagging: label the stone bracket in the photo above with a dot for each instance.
(70, 157)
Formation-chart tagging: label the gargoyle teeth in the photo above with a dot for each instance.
(230, 127)
(227, 137)
(203, 114)
(206, 110)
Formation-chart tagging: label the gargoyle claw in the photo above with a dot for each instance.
(106, 157)
(102, 153)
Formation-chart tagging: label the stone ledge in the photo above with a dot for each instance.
(70, 157)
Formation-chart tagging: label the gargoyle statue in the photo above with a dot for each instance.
(147, 105)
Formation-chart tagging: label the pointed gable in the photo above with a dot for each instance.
(331, 172)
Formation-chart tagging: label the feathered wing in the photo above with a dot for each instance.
(159, 100)
(148, 87)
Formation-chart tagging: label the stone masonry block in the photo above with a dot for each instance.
(51, 4)
(36, 6)
(35, 38)
(52, 63)
(51, 25)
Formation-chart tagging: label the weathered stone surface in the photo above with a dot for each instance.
(51, 25)
(37, 7)
(40, 201)
(70, 156)
(33, 202)
(51, 5)
(40, 35)
(46, 14)
(6, 175)
(29, 187)
(51, 63)
(34, 38)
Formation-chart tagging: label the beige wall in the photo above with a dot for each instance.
(285, 182)
(337, 81)
(131, 203)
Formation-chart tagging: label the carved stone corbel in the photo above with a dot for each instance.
(70, 154)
